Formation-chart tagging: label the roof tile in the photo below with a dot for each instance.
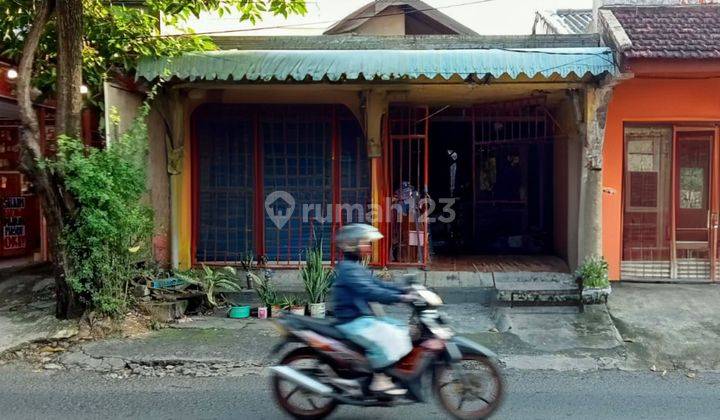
(671, 31)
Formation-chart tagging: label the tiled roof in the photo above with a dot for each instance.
(671, 31)
(567, 21)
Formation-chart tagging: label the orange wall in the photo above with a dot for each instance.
(646, 100)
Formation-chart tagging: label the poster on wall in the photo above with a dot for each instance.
(15, 207)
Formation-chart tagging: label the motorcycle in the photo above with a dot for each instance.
(327, 370)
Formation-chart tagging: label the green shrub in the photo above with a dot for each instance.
(106, 239)
(594, 272)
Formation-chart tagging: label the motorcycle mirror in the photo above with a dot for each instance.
(410, 279)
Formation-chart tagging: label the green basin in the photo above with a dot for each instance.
(238, 312)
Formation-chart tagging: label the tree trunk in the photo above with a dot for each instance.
(49, 189)
(69, 69)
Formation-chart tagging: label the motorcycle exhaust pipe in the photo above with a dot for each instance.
(302, 380)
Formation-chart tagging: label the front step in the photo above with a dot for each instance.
(536, 288)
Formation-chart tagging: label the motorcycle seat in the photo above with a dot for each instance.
(320, 326)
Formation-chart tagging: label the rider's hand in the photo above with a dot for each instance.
(408, 298)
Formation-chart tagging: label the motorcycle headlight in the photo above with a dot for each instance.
(443, 333)
(431, 298)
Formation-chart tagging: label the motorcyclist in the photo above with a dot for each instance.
(385, 340)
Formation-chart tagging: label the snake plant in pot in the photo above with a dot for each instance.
(293, 305)
(317, 280)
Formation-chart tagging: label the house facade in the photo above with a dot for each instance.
(461, 148)
(660, 209)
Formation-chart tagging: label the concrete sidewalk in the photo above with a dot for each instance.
(663, 327)
(27, 308)
(669, 326)
(549, 338)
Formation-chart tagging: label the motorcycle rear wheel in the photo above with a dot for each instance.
(453, 394)
(285, 398)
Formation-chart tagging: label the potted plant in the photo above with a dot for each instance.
(266, 293)
(276, 308)
(595, 283)
(293, 305)
(211, 282)
(317, 280)
(299, 306)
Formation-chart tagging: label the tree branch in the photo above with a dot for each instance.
(31, 129)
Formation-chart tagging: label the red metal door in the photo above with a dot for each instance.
(693, 197)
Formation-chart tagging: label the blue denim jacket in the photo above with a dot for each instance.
(354, 287)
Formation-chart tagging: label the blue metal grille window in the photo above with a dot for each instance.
(242, 154)
(224, 141)
(297, 151)
(354, 170)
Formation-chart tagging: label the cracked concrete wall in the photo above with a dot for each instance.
(159, 186)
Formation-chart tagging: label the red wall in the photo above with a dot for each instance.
(646, 100)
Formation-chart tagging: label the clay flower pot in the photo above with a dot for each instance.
(298, 310)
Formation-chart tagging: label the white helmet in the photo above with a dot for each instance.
(350, 236)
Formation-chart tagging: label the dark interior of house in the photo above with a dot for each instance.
(504, 204)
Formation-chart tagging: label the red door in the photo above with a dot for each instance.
(694, 208)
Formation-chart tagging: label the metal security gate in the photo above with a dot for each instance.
(512, 177)
(511, 147)
(225, 204)
(269, 179)
(407, 181)
(297, 162)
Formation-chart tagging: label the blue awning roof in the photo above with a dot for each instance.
(334, 65)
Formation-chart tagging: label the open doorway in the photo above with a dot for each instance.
(496, 163)
(451, 162)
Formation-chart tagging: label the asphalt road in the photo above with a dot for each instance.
(531, 395)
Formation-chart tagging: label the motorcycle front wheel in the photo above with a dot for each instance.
(470, 389)
(297, 402)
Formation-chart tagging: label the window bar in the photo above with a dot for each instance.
(259, 206)
(228, 183)
(409, 142)
(297, 180)
(387, 177)
(426, 163)
(336, 159)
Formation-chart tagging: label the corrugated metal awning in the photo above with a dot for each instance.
(334, 65)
